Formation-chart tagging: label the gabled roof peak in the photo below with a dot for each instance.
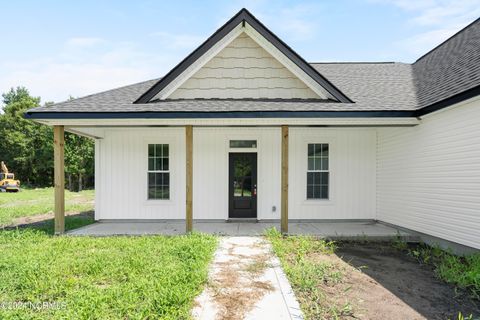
(243, 18)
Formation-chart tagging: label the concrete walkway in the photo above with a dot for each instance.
(246, 282)
(332, 230)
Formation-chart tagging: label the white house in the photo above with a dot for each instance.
(244, 128)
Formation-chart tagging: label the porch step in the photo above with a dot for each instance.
(247, 220)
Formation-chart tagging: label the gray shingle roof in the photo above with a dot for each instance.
(450, 69)
(373, 87)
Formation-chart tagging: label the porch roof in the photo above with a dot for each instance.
(375, 87)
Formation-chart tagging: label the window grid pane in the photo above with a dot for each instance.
(158, 172)
(318, 175)
(243, 143)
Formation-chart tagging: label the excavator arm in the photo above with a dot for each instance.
(3, 167)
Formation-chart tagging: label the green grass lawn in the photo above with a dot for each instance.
(101, 278)
(30, 202)
(154, 277)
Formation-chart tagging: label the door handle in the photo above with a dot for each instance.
(255, 190)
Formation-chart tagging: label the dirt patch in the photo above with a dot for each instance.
(38, 220)
(384, 283)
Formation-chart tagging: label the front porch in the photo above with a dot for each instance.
(352, 230)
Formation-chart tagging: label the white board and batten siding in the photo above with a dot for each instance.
(352, 173)
(122, 173)
(428, 176)
(211, 150)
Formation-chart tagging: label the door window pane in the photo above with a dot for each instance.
(242, 180)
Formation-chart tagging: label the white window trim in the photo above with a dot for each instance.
(328, 171)
(325, 139)
(171, 152)
(159, 171)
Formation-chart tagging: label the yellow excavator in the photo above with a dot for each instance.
(7, 180)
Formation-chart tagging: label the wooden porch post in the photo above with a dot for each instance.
(59, 178)
(189, 182)
(284, 197)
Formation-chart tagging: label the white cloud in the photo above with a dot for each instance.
(421, 43)
(448, 13)
(83, 41)
(86, 65)
(80, 71)
(437, 19)
(297, 22)
(89, 64)
(410, 5)
(437, 12)
(178, 40)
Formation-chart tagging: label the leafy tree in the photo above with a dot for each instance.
(24, 144)
(27, 147)
(79, 160)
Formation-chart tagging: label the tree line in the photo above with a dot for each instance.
(27, 147)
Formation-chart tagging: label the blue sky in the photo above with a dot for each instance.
(62, 48)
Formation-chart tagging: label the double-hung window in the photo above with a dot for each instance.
(158, 172)
(318, 174)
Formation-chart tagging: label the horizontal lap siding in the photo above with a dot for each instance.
(352, 174)
(121, 174)
(428, 176)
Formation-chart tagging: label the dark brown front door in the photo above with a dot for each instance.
(242, 185)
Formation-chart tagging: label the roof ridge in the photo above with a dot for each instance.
(448, 39)
(358, 62)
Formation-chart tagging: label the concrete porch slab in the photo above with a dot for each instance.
(331, 230)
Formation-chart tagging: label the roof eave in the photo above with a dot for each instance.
(460, 97)
(220, 115)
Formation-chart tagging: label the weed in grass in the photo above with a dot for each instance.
(462, 317)
(311, 272)
(103, 278)
(461, 271)
(399, 244)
